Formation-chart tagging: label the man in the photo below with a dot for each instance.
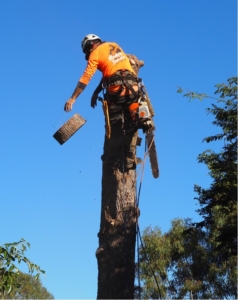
(120, 84)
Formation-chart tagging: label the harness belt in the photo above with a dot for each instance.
(121, 78)
(112, 80)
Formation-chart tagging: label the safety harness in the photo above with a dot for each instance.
(124, 79)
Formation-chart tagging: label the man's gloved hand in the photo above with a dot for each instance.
(94, 100)
(69, 104)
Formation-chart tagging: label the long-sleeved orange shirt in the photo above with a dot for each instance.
(108, 58)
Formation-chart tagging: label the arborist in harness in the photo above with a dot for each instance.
(123, 101)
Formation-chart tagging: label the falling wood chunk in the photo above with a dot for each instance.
(69, 128)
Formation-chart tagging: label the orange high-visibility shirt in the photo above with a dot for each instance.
(108, 58)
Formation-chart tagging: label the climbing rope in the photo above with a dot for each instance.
(149, 265)
(138, 234)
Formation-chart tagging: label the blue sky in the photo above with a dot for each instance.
(50, 194)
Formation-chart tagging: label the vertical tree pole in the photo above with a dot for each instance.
(117, 235)
(119, 214)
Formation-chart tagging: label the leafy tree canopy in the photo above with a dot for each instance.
(198, 260)
(30, 287)
(180, 264)
(10, 254)
(219, 202)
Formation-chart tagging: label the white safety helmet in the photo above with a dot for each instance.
(87, 42)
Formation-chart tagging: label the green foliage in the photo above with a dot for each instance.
(219, 202)
(155, 259)
(199, 260)
(192, 95)
(10, 254)
(30, 288)
(183, 263)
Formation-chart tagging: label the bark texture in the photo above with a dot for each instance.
(117, 235)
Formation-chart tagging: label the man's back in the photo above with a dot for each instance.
(108, 57)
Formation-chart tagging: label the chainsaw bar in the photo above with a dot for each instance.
(150, 141)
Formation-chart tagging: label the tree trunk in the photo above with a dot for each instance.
(117, 235)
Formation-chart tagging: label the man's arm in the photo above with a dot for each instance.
(94, 98)
(83, 81)
(78, 90)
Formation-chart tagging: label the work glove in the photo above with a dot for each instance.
(69, 104)
(94, 100)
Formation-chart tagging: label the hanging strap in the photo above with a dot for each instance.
(107, 120)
